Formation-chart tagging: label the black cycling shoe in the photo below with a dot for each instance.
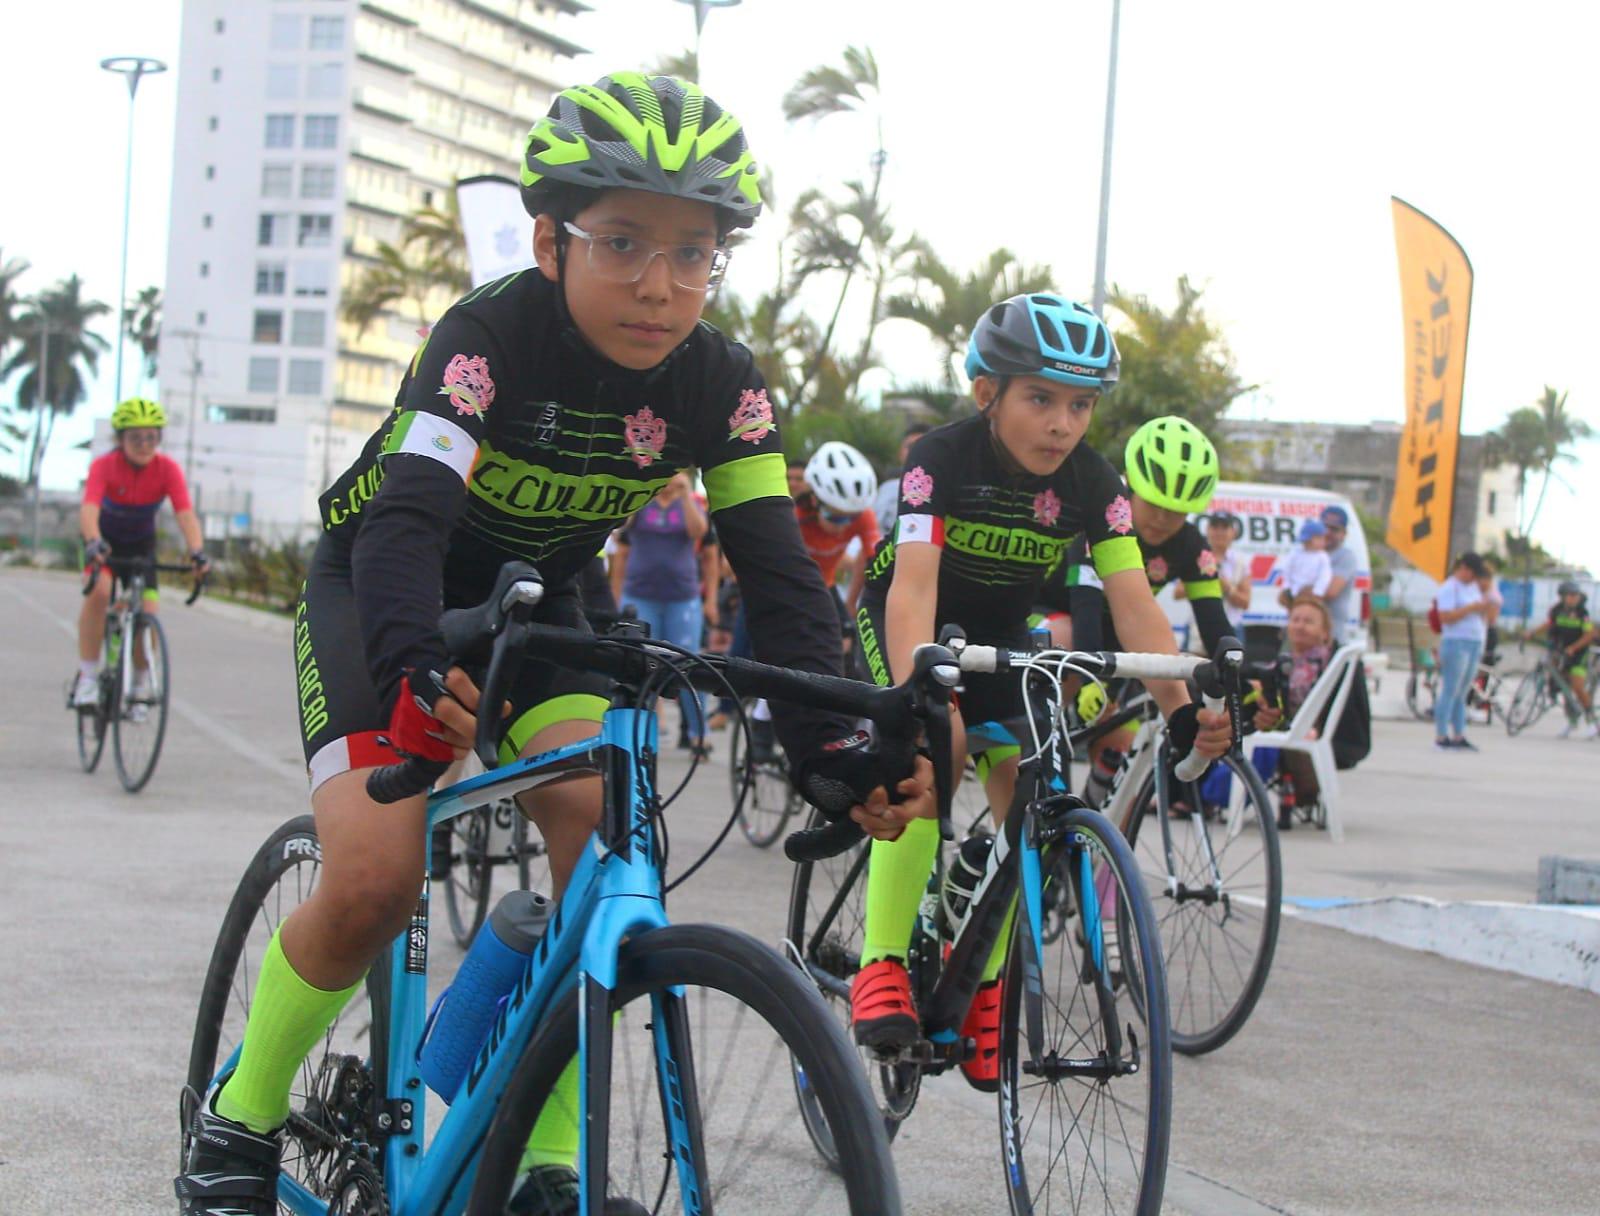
(552, 1190)
(230, 1170)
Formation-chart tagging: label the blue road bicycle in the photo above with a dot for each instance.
(686, 1035)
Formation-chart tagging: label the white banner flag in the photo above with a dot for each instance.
(499, 233)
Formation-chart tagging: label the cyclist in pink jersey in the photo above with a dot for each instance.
(124, 491)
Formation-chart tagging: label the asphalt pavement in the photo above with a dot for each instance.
(1369, 1080)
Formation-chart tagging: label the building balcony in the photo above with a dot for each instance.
(401, 12)
(380, 151)
(382, 103)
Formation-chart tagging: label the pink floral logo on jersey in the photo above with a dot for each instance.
(1119, 515)
(916, 486)
(1046, 508)
(1156, 569)
(646, 435)
(1207, 561)
(468, 385)
(752, 421)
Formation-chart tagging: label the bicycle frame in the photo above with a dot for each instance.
(614, 894)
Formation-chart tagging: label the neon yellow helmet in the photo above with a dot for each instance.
(629, 131)
(137, 411)
(1172, 464)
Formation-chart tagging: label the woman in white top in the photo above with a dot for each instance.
(1465, 613)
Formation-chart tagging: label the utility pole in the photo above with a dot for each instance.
(1105, 167)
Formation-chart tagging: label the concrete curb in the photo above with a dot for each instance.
(1557, 943)
(257, 618)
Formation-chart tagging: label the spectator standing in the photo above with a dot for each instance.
(886, 509)
(1306, 568)
(1342, 560)
(656, 571)
(1465, 613)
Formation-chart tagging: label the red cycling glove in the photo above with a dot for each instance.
(414, 731)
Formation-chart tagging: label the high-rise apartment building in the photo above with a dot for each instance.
(307, 131)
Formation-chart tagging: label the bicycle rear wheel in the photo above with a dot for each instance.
(1421, 688)
(827, 927)
(139, 722)
(1529, 702)
(1086, 1062)
(724, 1011)
(331, 1102)
(1215, 879)
(771, 798)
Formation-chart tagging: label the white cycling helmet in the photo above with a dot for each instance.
(841, 478)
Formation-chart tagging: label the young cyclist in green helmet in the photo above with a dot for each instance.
(987, 505)
(1171, 469)
(540, 413)
(1571, 633)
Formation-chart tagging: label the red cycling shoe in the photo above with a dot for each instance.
(982, 1026)
(881, 1012)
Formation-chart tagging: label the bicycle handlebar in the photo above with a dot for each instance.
(119, 565)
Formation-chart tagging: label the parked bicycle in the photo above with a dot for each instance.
(1485, 695)
(758, 777)
(135, 676)
(1085, 1064)
(675, 1028)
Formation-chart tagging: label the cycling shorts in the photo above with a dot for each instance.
(995, 697)
(340, 715)
(1573, 664)
(128, 549)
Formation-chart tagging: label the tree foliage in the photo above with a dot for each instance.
(1173, 362)
(144, 328)
(430, 261)
(1534, 439)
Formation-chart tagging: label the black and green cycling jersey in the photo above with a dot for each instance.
(512, 438)
(1075, 586)
(1000, 530)
(1567, 624)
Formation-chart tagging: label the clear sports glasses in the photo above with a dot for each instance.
(620, 258)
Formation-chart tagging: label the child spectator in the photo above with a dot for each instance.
(1307, 567)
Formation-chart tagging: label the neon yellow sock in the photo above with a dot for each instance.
(897, 875)
(997, 956)
(554, 1140)
(287, 1018)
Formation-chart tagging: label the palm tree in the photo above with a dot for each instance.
(947, 304)
(431, 257)
(144, 327)
(826, 90)
(57, 348)
(1534, 439)
(11, 269)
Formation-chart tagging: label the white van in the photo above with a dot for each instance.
(1272, 516)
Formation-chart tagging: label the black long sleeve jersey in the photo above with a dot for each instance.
(511, 438)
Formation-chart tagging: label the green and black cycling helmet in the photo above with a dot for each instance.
(1172, 464)
(137, 412)
(629, 131)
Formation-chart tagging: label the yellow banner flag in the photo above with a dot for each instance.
(1436, 298)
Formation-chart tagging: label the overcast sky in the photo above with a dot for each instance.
(1257, 145)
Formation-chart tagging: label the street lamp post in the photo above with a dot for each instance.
(701, 9)
(1105, 168)
(131, 68)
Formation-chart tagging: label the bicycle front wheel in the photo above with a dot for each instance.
(139, 710)
(331, 1101)
(706, 1018)
(1215, 879)
(1528, 703)
(1086, 1060)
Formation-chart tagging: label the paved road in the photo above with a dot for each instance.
(1370, 1080)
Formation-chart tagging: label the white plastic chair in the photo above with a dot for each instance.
(1329, 694)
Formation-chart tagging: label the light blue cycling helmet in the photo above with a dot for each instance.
(1047, 335)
